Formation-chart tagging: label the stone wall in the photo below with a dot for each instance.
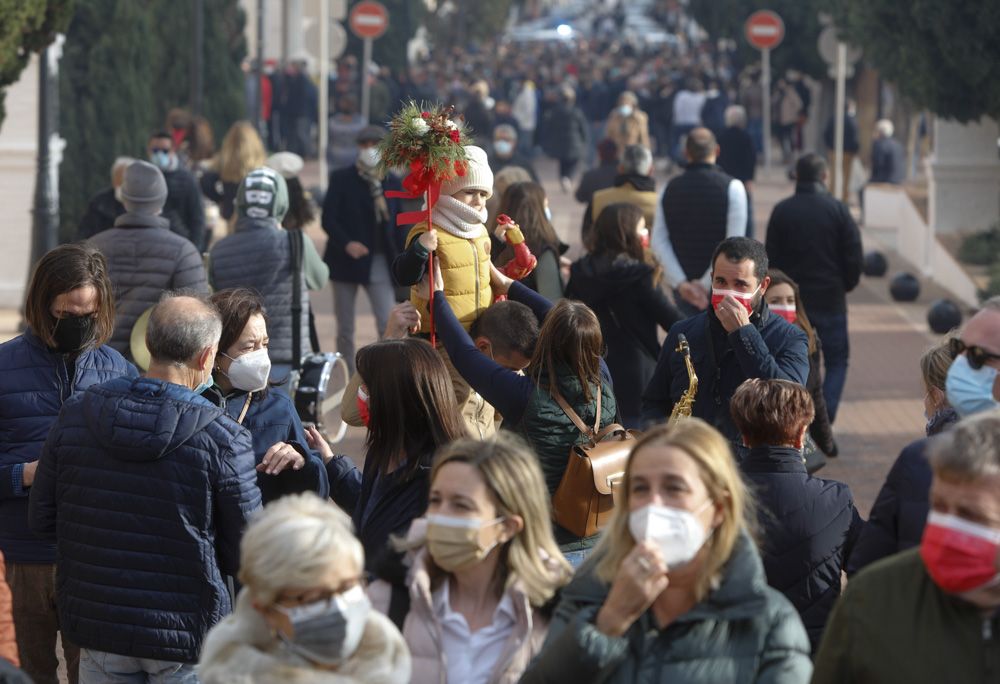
(18, 152)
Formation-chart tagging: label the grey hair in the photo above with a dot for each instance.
(505, 130)
(181, 326)
(121, 163)
(970, 450)
(736, 115)
(637, 159)
(293, 544)
(884, 128)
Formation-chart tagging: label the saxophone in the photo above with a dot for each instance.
(682, 409)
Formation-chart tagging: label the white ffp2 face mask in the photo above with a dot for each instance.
(249, 372)
(677, 532)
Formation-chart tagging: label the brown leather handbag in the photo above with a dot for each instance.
(594, 474)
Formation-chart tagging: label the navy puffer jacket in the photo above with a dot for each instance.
(271, 418)
(808, 529)
(146, 488)
(36, 382)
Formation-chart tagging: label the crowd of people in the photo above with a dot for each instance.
(167, 515)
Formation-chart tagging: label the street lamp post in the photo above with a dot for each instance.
(45, 214)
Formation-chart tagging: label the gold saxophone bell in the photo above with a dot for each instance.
(682, 409)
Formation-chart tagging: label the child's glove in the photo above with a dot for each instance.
(524, 261)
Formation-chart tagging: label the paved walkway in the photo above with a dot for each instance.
(882, 407)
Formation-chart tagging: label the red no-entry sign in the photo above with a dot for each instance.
(764, 30)
(369, 20)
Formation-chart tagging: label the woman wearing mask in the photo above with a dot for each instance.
(896, 522)
(70, 313)
(302, 615)
(483, 566)
(527, 205)
(783, 299)
(566, 363)
(627, 124)
(621, 287)
(408, 404)
(286, 462)
(677, 587)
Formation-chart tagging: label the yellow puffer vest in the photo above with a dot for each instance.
(465, 269)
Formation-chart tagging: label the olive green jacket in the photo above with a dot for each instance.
(893, 624)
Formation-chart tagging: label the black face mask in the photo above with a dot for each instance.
(73, 333)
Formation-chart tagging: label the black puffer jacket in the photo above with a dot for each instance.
(809, 527)
(629, 307)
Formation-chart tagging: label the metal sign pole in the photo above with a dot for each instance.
(765, 85)
(365, 85)
(838, 126)
(324, 84)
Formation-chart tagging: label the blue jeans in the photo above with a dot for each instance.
(576, 558)
(755, 127)
(98, 667)
(832, 331)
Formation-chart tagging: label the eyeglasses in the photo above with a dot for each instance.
(977, 356)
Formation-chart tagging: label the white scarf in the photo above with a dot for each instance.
(459, 218)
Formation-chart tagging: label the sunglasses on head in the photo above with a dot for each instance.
(977, 356)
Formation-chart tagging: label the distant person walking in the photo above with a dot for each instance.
(812, 237)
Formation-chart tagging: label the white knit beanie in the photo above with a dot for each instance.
(478, 175)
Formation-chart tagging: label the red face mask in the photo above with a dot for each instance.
(643, 237)
(786, 311)
(960, 556)
(363, 406)
(744, 298)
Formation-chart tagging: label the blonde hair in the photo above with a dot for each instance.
(293, 543)
(711, 453)
(936, 361)
(242, 151)
(514, 478)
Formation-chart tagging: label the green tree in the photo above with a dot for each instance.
(27, 27)
(725, 19)
(125, 64)
(941, 55)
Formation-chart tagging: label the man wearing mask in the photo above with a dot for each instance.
(363, 238)
(148, 518)
(144, 257)
(258, 256)
(505, 151)
(736, 339)
(183, 207)
(931, 614)
(973, 382)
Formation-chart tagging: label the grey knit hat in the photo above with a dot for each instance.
(143, 190)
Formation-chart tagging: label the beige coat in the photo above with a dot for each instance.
(628, 130)
(241, 650)
(422, 629)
